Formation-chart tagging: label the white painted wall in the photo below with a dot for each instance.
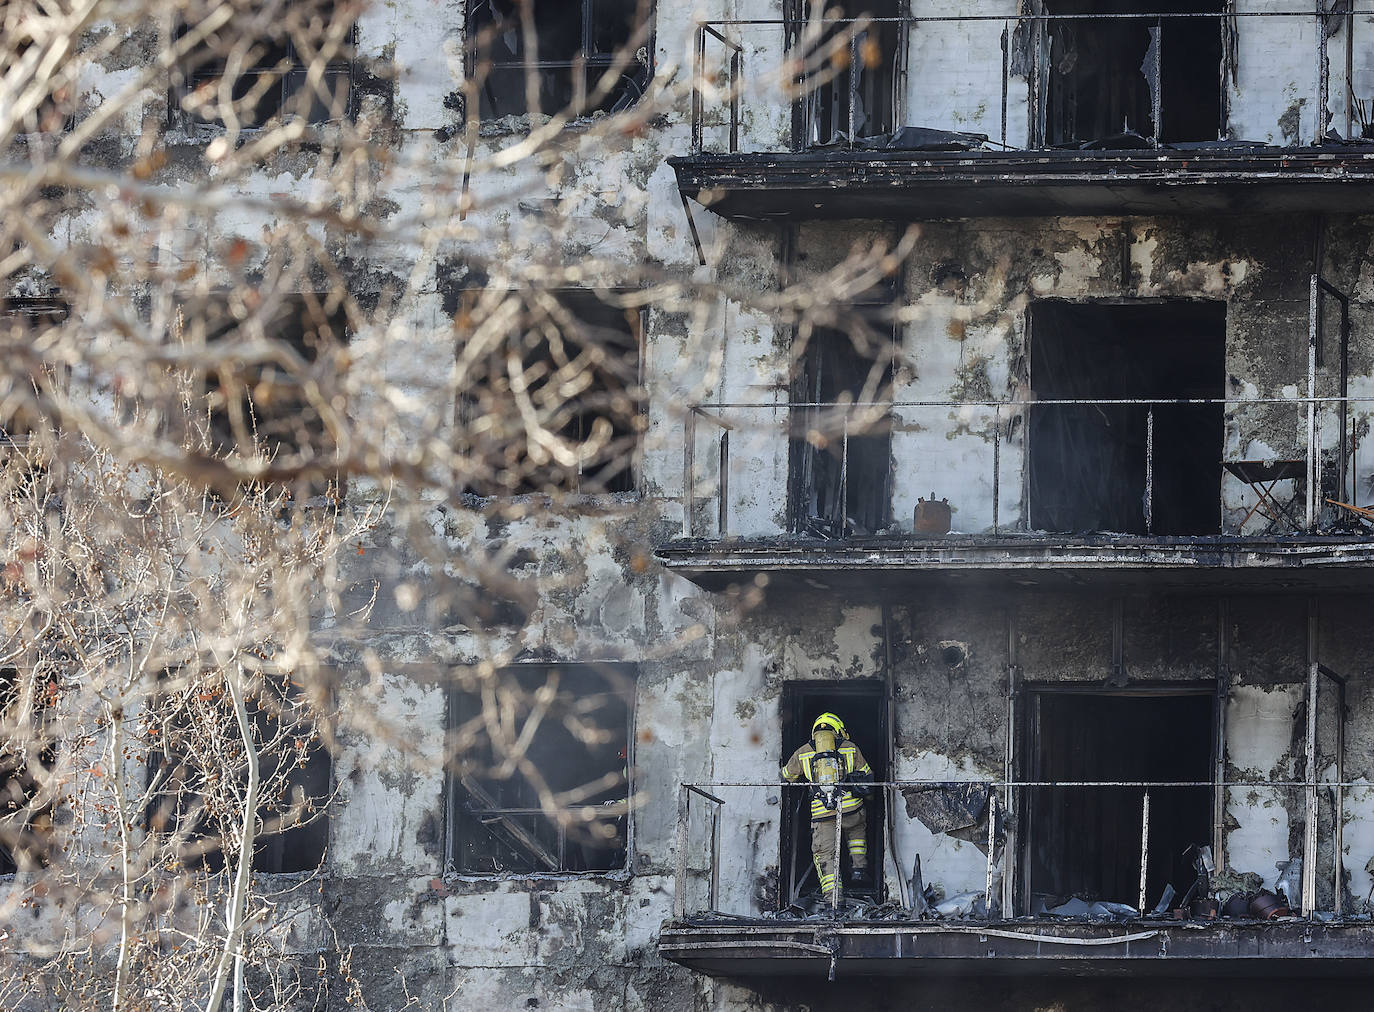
(954, 75)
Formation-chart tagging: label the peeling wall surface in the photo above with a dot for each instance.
(710, 672)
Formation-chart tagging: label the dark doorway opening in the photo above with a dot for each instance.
(848, 87)
(842, 453)
(863, 708)
(1085, 841)
(1103, 73)
(1087, 463)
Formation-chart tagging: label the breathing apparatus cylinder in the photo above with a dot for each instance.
(825, 768)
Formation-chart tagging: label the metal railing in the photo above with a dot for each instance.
(1002, 429)
(1030, 32)
(701, 81)
(1003, 797)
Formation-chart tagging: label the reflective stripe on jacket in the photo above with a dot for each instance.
(799, 768)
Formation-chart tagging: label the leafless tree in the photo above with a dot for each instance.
(226, 416)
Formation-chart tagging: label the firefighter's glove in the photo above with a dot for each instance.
(859, 784)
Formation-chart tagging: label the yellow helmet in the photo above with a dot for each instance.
(831, 721)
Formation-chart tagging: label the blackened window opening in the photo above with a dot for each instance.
(841, 453)
(577, 42)
(27, 757)
(577, 756)
(200, 742)
(1087, 467)
(1102, 74)
(578, 376)
(273, 78)
(850, 94)
(276, 408)
(861, 705)
(24, 323)
(1085, 841)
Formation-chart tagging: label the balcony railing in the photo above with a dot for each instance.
(935, 56)
(985, 446)
(705, 808)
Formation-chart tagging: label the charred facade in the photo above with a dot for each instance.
(1065, 513)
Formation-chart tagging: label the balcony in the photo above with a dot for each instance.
(731, 948)
(1184, 111)
(1066, 492)
(1178, 918)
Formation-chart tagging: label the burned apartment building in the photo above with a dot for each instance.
(1064, 511)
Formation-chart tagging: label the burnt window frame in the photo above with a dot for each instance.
(478, 57)
(800, 471)
(457, 798)
(56, 312)
(269, 849)
(636, 320)
(1042, 91)
(1036, 425)
(216, 417)
(16, 859)
(809, 109)
(196, 68)
(1027, 760)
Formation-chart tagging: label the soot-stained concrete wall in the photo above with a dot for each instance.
(973, 346)
(711, 671)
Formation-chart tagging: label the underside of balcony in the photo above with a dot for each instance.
(1285, 948)
(911, 185)
(1261, 564)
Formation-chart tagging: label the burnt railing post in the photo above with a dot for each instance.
(1144, 848)
(1150, 469)
(689, 478)
(698, 81)
(723, 499)
(844, 476)
(713, 893)
(1323, 116)
(1313, 468)
(1006, 75)
(684, 808)
(1309, 834)
(734, 100)
(992, 840)
(996, 466)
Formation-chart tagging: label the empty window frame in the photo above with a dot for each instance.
(27, 758)
(575, 44)
(849, 73)
(197, 769)
(555, 402)
(841, 447)
(267, 74)
(1106, 80)
(1098, 468)
(539, 776)
(23, 323)
(279, 408)
(1086, 841)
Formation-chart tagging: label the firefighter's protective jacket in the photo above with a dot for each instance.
(799, 768)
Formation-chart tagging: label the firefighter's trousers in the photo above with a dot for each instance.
(853, 836)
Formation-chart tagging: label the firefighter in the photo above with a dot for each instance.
(835, 768)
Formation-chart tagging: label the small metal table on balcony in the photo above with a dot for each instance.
(1262, 476)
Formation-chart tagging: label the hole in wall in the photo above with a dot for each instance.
(949, 279)
(953, 654)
